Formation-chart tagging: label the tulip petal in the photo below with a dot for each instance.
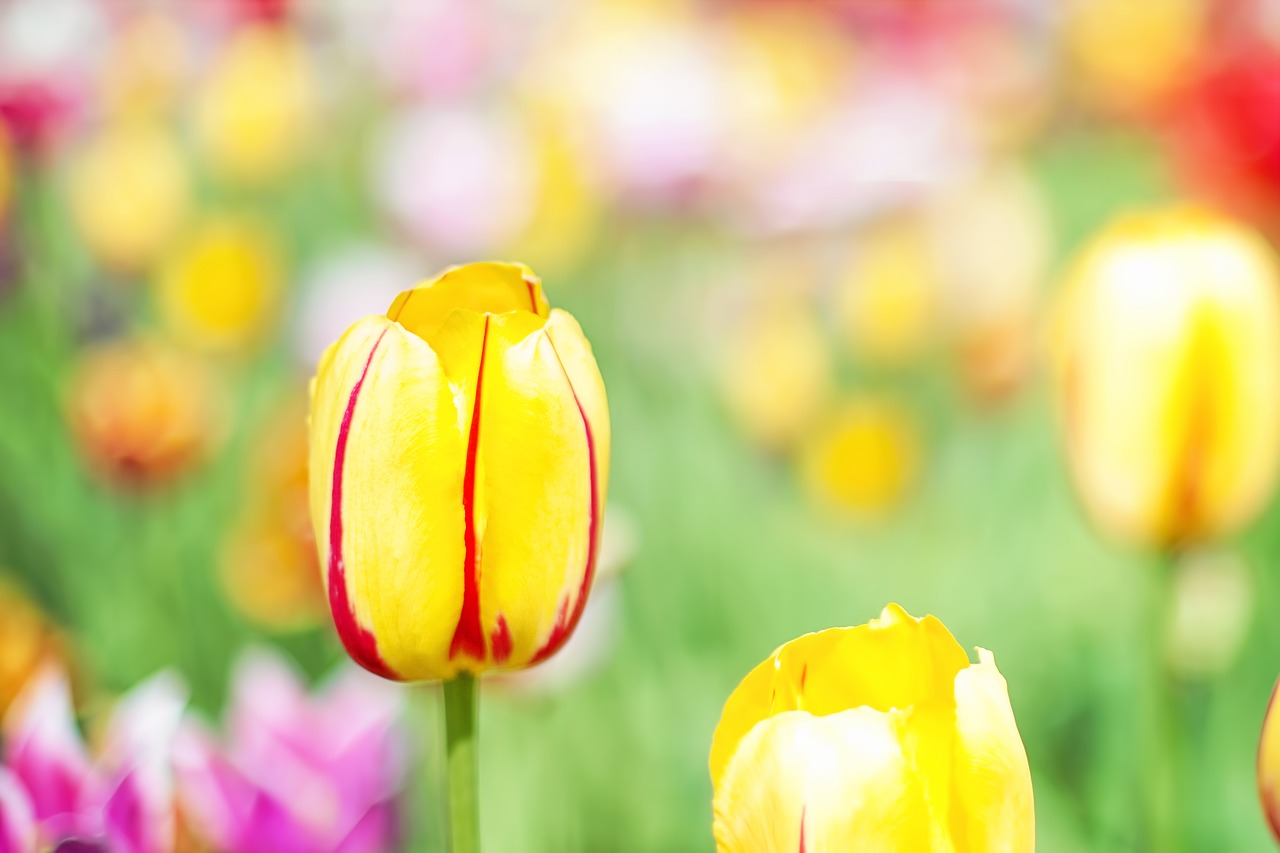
(387, 464)
(493, 288)
(896, 661)
(994, 810)
(821, 785)
(17, 818)
(1269, 764)
(43, 746)
(536, 507)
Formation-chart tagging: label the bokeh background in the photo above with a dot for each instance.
(816, 247)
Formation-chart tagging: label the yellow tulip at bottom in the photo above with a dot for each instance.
(459, 464)
(881, 737)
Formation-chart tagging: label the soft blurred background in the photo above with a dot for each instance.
(815, 245)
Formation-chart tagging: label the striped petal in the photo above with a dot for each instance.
(494, 288)
(388, 447)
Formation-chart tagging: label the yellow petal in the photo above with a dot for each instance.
(393, 547)
(896, 661)
(1269, 764)
(493, 287)
(821, 784)
(992, 810)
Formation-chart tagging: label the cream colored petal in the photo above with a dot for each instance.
(992, 809)
(821, 785)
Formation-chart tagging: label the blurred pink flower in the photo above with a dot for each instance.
(49, 52)
(122, 802)
(297, 772)
(17, 820)
(458, 180)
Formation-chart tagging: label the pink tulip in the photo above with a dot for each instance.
(122, 802)
(297, 773)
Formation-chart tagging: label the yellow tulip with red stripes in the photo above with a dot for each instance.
(875, 738)
(459, 464)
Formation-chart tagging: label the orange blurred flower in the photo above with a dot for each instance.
(142, 412)
(270, 568)
(28, 640)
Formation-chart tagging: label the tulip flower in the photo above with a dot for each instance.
(126, 231)
(221, 287)
(459, 461)
(1169, 368)
(1269, 764)
(120, 802)
(864, 459)
(142, 413)
(879, 737)
(459, 466)
(28, 642)
(270, 571)
(255, 111)
(318, 772)
(17, 819)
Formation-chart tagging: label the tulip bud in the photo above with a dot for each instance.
(879, 737)
(459, 463)
(1169, 366)
(1269, 765)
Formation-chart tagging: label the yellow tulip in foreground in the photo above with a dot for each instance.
(881, 737)
(1169, 361)
(459, 462)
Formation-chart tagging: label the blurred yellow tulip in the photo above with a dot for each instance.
(270, 569)
(1168, 359)
(1126, 54)
(459, 466)
(879, 737)
(777, 372)
(567, 203)
(865, 459)
(1269, 764)
(141, 412)
(255, 112)
(888, 299)
(129, 192)
(221, 288)
(146, 66)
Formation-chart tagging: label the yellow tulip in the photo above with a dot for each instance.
(1100, 38)
(881, 737)
(221, 287)
(129, 192)
(254, 114)
(865, 458)
(459, 465)
(1269, 765)
(1169, 372)
(28, 641)
(888, 300)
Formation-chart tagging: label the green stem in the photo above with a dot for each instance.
(461, 736)
(1158, 774)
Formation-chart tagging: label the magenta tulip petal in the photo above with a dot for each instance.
(377, 832)
(43, 746)
(17, 818)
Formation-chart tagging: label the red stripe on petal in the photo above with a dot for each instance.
(500, 641)
(468, 637)
(802, 811)
(358, 640)
(566, 621)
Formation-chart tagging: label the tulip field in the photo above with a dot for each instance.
(742, 426)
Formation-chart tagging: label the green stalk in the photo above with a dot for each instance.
(1157, 774)
(461, 736)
